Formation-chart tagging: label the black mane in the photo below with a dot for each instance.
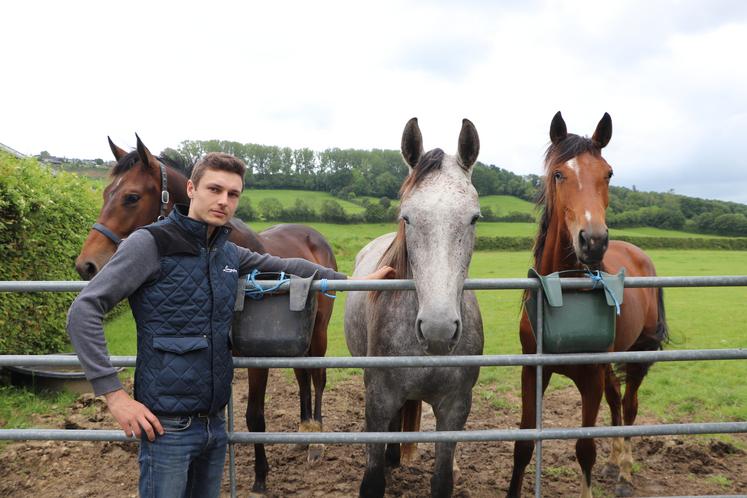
(130, 159)
(428, 162)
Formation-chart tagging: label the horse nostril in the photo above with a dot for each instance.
(90, 270)
(455, 338)
(419, 331)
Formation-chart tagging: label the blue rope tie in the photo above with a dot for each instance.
(255, 291)
(323, 284)
(597, 278)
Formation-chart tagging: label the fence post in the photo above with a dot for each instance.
(538, 395)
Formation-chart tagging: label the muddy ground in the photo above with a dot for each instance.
(665, 466)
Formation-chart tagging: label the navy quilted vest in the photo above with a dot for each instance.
(183, 317)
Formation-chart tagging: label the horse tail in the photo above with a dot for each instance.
(410, 423)
(662, 329)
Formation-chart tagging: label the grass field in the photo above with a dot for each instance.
(288, 197)
(505, 204)
(698, 318)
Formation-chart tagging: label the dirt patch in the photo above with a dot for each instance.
(669, 465)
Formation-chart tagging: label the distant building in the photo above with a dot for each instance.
(13, 151)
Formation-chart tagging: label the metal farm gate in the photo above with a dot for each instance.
(538, 360)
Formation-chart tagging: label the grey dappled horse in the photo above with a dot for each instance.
(433, 246)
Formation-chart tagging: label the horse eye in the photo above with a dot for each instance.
(610, 175)
(131, 198)
(406, 220)
(558, 175)
(474, 219)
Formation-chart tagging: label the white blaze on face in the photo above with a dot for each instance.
(587, 215)
(573, 166)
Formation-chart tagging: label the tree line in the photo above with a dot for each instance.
(353, 173)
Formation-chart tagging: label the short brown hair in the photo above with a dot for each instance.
(218, 161)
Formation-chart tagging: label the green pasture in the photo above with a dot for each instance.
(288, 197)
(501, 205)
(348, 239)
(699, 318)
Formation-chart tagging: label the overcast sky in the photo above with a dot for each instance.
(672, 75)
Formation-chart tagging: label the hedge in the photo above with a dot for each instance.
(44, 218)
(526, 243)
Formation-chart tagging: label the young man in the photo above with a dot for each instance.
(181, 277)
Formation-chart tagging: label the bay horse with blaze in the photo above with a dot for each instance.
(144, 188)
(573, 235)
(433, 246)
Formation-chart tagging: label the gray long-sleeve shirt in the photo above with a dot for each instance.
(135, 263)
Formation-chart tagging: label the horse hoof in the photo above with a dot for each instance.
(624, 488)
(316, 452)
(611, 471)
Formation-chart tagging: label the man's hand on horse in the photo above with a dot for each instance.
(133, 415)
(381, 273)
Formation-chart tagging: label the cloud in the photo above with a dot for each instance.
(342, 74)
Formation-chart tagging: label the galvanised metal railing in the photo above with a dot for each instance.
(537, 360)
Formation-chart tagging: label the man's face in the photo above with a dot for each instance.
(216, 197)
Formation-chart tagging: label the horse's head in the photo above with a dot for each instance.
(577, 187)
(438, 212)
(133, 199)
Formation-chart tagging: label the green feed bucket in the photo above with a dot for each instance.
(576, 321)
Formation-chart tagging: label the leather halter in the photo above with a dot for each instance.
(161, 210)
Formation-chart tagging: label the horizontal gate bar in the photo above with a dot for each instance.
(421, 361)
(471, 283)
(402, 437)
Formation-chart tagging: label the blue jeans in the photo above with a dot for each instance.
(187, 461)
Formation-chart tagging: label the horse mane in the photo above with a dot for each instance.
(130, 159)
(396, 254)
(565, 150)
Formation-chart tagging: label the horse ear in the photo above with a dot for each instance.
(469, 145)
(558, 130)
(603, 133)
(145, 156)
(118, 153)
(412, 143)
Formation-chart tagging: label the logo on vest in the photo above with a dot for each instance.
(226, 269)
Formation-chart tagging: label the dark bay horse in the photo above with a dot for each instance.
(573, 235)
(134, 198)
(433, 246)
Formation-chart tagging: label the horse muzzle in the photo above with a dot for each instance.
(438, 337)
(86, 269)
(592, 246)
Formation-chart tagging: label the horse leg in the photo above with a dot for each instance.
(318, 376)
(303, 378)
(612, 394)
(451, 415)
(392, 454)
(380, 410)
(590, 383)
(634, 373)
(255, 422)
(523, 449)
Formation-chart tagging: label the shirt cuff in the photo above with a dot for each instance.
(106, 384)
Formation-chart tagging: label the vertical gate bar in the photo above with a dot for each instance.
(231, 446)
(538, 395)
